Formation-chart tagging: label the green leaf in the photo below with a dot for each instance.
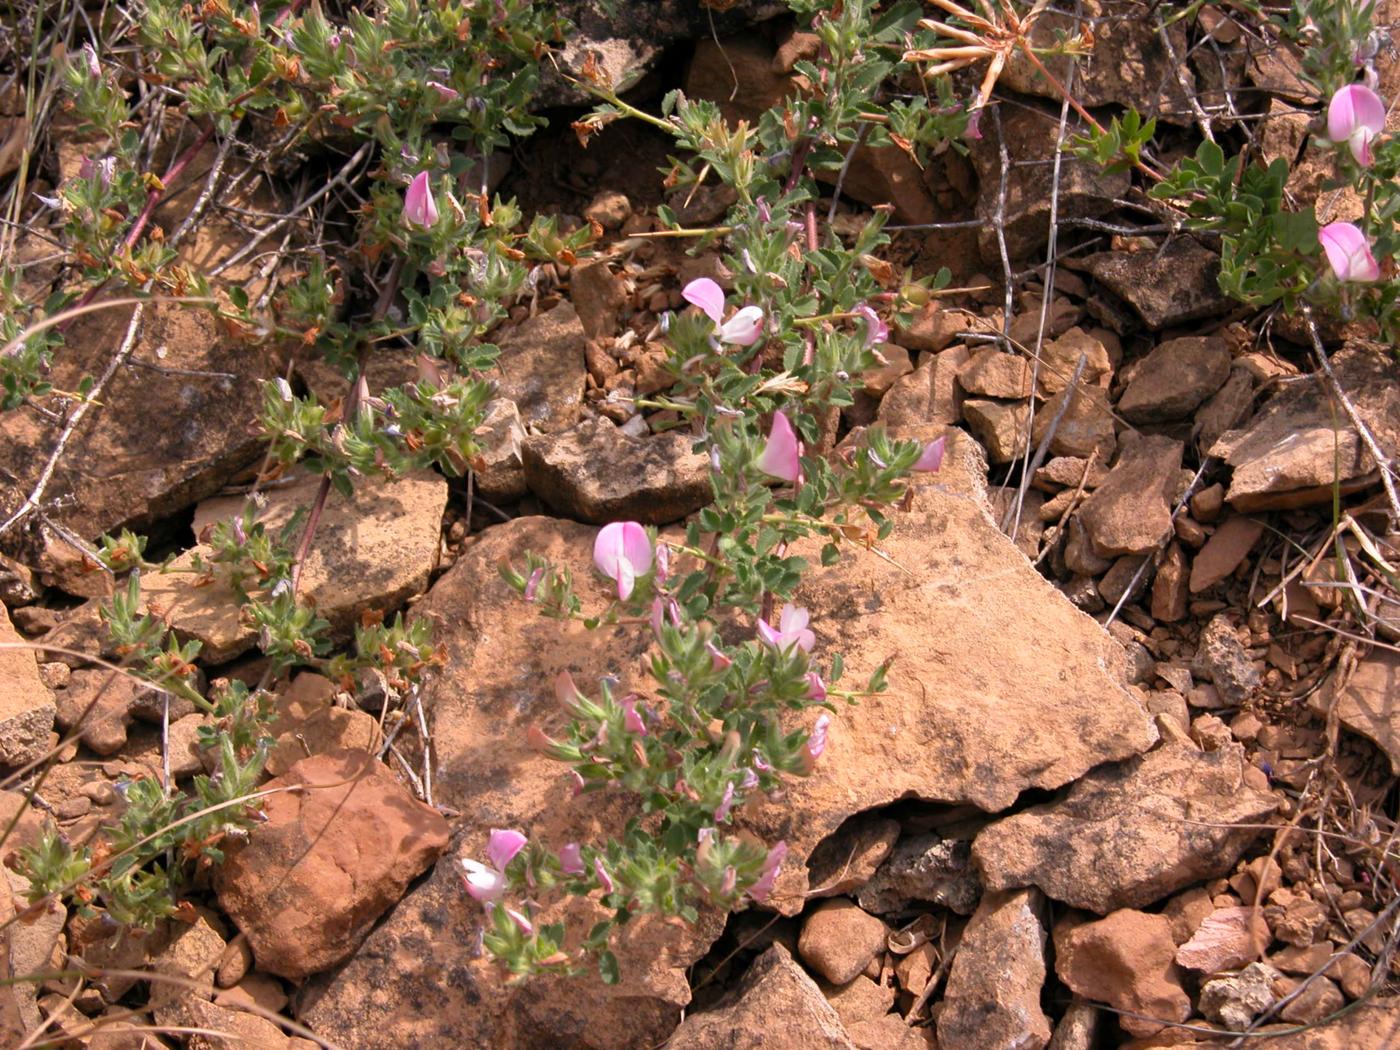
(608, 968)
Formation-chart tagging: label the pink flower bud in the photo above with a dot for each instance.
(1348, 253)
(631, 719)
(932, 456)
(533, 584)
(726, 803)
(419, 207)
(526, 927)
(1355, 116)
(816, 688)
(726, 886)
(876, 331)
(718, 660)
(782, 452)
(622, 552)
(772, 865)
(444, 92)
(604, 879)
(571, 859)
(94, 67)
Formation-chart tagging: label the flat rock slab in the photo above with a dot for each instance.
(1131, 512)
(1129, 834)
(1369, 702)
(1287, 455)
(328, 861)
(373, 550)
(970, 717)
(596, 473)
(1175, 378)
(26, 705)
(775, 1005)
(1169, 287)
(542, 369)
(993, 996)
(159, 440)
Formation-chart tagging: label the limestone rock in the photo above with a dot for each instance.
(329, 860)
(100, 705)
(929, 394)
(992, 373)
(924, 868)
(1000, 426)
(541, 369)
(1369, 701)
(598, 297)
(1121, 838)
(993, 997)
(499, 474)
(935, 327)
(1085, 425)
(1227, 547)
(373, 550)
(1236, 999)
(1166, 287)
(1130, 66)
(839, 940)
(1226, 939)
(118, 467)
(775, 1005)
(1060, 357)
(847, 860)
(1175, 378)
(1286, 455)
(26, 706)
(598, 473)
(1031, 135)
(1228, 408)
(305, 721)
(1221, 658)
(1125, 960)
(1130, 513)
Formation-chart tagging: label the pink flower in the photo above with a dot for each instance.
(726, 886)
(974, 125)
(103, 169)
(444, 92)
(876, 331)
(1348, 253)
(622, 552)
(571, 859)
(526, 927)
(503, 846)
(604, 879)
(792, 630)
(631, 719)
(1355, 116)
(533, 584)
(726, 803)
(743, 329)
(816, 688)
(932, 456)
(576, 782)
(782, 452)
(771, 867)
(483, 883)
(94, 67)
(419, 207)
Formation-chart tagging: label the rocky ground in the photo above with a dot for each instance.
(1133, 782)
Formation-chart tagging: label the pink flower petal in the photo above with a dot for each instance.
(622, 552)
(483, 883)
(932, 456)
(707, 295)
(744, 328)
(604, 879)
(772, 865)
(816, 688)
(571, 859)
(631, 719)
(444, 92)
(503, 846)
(782, 452)
(419, 207)
(1348, 253)
(526, 927)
